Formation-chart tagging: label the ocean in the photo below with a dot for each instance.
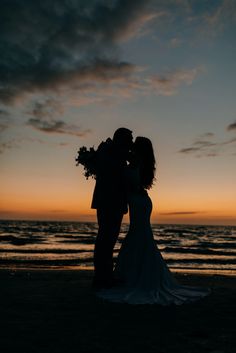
(69, 245)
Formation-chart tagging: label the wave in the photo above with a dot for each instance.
(45, 251)
(43, 243)
(198, 251)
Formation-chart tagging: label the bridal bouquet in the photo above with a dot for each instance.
(87, 158)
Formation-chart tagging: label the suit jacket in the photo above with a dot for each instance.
(110, 188)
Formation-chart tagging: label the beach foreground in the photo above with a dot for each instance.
(56, 311)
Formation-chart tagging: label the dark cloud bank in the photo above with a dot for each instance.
(52, 47)
(45, 45)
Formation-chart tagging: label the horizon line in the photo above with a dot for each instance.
(124, 222)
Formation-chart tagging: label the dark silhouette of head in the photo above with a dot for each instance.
(123, 138)
(145, 158)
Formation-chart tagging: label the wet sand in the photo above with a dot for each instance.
(56, 311)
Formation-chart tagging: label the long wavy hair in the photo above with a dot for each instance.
(144, 153)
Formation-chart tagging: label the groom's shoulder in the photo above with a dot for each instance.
(105, 146)
(106, 143)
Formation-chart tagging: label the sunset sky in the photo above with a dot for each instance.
(73, 71)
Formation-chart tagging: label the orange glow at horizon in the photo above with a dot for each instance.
(79, 210)
(66, 195)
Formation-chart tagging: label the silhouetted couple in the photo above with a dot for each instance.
(125, 170)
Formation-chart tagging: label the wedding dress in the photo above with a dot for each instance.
(140, 267)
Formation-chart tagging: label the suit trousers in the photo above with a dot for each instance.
(109, 223)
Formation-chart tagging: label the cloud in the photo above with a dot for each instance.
(136, 26)
(65, 46)
(56, 126)
(63, 144)
(232, 126)
(230, 141)
(4, 120)
(220, 15)
(18, 142)
(8, 145)
(51, 45)
(168, 83)
(204, 144)
(46, 109)
(201, 19)
(43, 118)
(179, 213)
(189, 150)
(208, 134)
(205, 148)
(74, 44)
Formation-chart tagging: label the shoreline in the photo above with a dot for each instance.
(175, 271)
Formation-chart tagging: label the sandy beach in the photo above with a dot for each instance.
(56, 311)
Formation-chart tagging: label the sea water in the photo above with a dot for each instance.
(69, 245)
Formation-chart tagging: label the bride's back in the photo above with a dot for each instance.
(140, 205)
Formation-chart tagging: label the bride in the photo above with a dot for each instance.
(140, 269)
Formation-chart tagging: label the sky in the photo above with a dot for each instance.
(73, 71)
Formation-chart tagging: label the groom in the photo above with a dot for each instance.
(110, 200)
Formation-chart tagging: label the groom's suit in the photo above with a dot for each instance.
(110, 200)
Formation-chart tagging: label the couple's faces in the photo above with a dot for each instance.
(129, 141)
(134, 144)
(126, 143)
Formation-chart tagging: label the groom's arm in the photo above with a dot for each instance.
(104, 158)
